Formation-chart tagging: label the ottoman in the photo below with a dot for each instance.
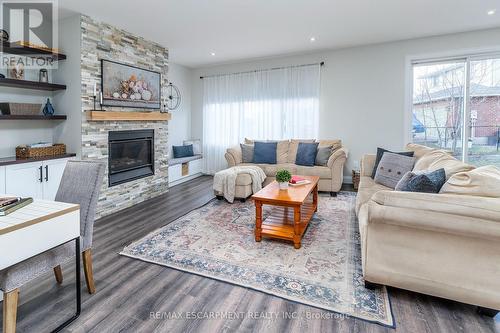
(243, 188)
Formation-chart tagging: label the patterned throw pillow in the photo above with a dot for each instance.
(425, 181)
(265, 152)
(323, 155)
(392, 168)
(306, 153)
(246, 153)
(381, 151)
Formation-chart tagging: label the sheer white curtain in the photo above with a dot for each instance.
(269, 105)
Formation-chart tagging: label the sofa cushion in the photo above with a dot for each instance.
(422, 181)
(380, 153)
(246, 153)
(264, 152)
(336, 144)
(323, 154)
(367, 187)
(419, 150)
(281, 149)
(438, 159)
(320, 171)
(292, 149)
(271, 169)
(183, 151)
(483, 181)
(306, 153)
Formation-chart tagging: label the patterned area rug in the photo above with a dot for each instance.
(217, 241)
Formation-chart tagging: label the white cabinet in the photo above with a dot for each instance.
(179, 173)
(53, 172)
(39, 180)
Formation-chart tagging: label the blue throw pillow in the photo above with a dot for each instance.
(426, 182)
(265, 152)
(306, 153)
(183, 151)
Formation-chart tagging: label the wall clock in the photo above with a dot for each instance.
(171, 97)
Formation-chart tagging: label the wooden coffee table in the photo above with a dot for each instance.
(290, 217)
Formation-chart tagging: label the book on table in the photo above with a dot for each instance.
(297, 180)
(11, 204)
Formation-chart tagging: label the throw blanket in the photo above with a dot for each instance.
(225, 180)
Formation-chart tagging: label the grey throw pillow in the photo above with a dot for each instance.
(323, 155)
(392, 168)
(246, 153)
(422, 181)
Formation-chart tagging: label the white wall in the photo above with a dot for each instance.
(69, 73)
(179, 127)
(362, 88)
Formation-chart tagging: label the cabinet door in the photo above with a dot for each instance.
(24, 180)
(52, 175)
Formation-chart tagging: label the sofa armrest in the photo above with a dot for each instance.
(448, 213)
(367, 164)
(339, 156)
(233, 156)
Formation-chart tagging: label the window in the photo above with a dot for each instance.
(456, 106)
(272, 104)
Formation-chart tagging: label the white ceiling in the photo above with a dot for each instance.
(245, 29)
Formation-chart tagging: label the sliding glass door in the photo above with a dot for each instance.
(456, 106)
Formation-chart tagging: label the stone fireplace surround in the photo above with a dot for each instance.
(103, 41)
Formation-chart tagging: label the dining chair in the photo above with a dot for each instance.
(80, 184)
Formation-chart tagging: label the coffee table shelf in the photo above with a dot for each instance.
(292, 212)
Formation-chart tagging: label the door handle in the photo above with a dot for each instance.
(46, 173)
(41, 174)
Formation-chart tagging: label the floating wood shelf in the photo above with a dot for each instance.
(34, 85)
(14, 48)
(35, 117)
(127, 115)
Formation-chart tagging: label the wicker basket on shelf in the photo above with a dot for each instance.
(29, 152)
(355, 178)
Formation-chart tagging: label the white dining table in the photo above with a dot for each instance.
(39, 227)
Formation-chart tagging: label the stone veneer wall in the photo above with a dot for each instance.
(103, 41)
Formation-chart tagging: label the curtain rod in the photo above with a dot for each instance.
(322, 63)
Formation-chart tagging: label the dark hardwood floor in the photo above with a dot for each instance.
(129, 291)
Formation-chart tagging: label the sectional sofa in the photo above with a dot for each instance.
(445, 244)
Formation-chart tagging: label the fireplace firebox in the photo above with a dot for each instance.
(131, 155)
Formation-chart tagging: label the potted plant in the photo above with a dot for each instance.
(283, 177)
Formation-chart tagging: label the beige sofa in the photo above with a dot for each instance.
(445, 245)
(331, 176)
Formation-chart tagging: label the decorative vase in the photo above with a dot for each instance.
(48, 109)
(43, 75)
(283, 185)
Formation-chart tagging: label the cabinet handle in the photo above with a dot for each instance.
(46, 173)
(41, 174)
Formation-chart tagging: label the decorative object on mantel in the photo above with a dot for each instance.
(94, 115)
(4, 35)
(40, 150)
(20, 109)
(43, 75)
(171, 97)
(129, 86)
(48, 109)
(17, 72)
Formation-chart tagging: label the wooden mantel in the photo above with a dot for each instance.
(128, 115)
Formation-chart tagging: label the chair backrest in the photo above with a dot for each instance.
(80, 184)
